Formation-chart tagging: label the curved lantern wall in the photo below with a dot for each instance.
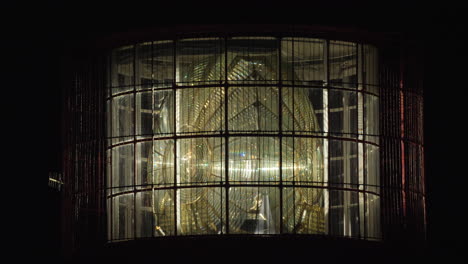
(243, 135)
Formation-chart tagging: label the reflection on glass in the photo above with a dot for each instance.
(373, 216)
(144, 163)
(162, 171)
(343, 115)
(344, 213)
(164, 213)
(122, 217)
(371, 112)
(370, 69)
(343, 162)
(163, 112)
(372, 168)
(342, 64)
(144, 125)
(144, 214)
(122, 77)
(143, 66)
(122, 169)
(163, 64)
(122, 119)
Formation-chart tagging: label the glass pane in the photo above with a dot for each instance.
(201, 161)
(109, 218)
(351, 214)
(200, 110)
(144, 163)
(122, 118)
(109, 168)
(252, 59)
(164, 215)
(143, 67)
(336, 213)
(122, 69)
(122, 167)
(371, 110)
(373, 216)
(343, 114)
(343, 163)
(372, 168)
(254, 159)
(254, 210)
(252, 109)
(163, 64)
(122, 216)
(200, 61)
(302, 110)
(144, 109)
(342, 64)
(144, 214)
(371, 69)
(109, 119)
(343, 213)
(303, 160)
(362, 215)
(163, 113)
(201, 211)
(163, 162)
(303, 211)
(303, 61)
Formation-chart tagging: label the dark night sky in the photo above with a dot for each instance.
(39, 33)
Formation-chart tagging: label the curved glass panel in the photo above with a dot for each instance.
(199, 61)
(252, 60)
(243, 135)
(122, 70)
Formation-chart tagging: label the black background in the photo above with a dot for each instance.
(35, 36)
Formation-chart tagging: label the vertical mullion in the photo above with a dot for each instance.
(346, 154)
(134, 135)
(153, 222)
(226, 133)
(361, 132)
(327, 137)
(293, 138)
(280, 128)
(174, 88)
(110, 118)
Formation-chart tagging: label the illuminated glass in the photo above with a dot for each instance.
(252, 60)
(122, 70)
(243, 135)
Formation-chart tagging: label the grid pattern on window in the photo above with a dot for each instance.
(243, 135)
